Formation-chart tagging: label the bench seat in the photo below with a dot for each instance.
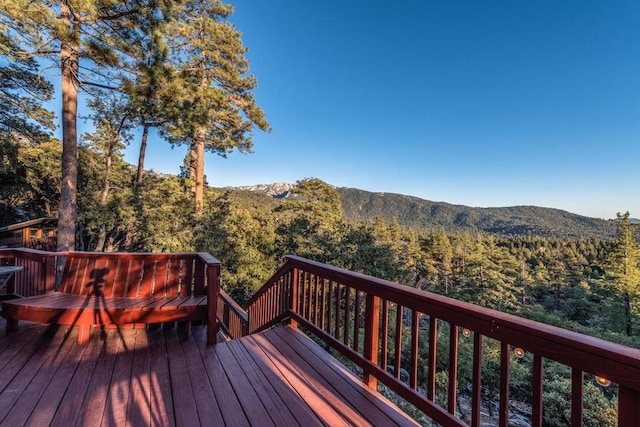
(66, 309)
(87, 311)
(99, 289)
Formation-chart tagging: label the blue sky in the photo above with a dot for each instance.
(481, 103)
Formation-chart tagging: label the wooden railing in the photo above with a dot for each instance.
(271, 304)
(366, 319)
(39, 271)
(234, 321)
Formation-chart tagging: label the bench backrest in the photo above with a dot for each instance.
(133, 275)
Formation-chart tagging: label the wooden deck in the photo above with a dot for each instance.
(149, 377)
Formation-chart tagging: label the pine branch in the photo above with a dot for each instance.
(98, 85)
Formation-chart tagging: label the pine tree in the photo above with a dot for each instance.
(442, 258)
(113, 122)
(101, 35)
(23, 90)
(218, 110)
(624, 267)
(313, 209)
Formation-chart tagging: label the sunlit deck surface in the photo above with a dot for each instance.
(150, 377)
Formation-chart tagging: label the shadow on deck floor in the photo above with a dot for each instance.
(149, 377)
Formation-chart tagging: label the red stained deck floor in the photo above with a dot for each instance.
(149, 377)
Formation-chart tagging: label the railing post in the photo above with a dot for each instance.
(11, 284)
(244, 327)
(225, 316)
(371, 336)
(213, 290)
(577, 385)
(505, 369)
(49, 273)
(294, 299)
(628, 407)
(453, 369)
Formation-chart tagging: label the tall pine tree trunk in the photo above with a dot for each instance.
(105, 196)
(143, 149)
(102, 236)
(199, 162)
(190, 163)
(107, 175)
(627, 314)
(197, 150)
(68, 193)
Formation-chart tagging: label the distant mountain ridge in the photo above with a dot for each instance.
(425, 215)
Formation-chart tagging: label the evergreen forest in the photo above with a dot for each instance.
(180, 68)
(586, 285)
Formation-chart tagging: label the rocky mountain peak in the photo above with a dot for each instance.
(278, 190)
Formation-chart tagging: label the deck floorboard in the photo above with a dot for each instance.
(151, 377)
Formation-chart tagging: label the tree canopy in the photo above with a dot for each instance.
(180, 66)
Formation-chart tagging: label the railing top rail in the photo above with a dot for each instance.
(619, 363)
(13, 251)
(233, 305)
(203, 256)
(279, 273)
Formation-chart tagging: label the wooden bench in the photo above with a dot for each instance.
(103, 289)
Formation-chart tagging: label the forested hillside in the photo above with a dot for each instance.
(425, 215)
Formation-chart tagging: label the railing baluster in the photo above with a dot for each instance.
(266, 307)
(276, 298)
(413, 372)
(505, 370)
(286, 291)
(356, 323)
(225, 314)
(385, 334)
(302, 294)
(323, 304)
(338, 304)
(307, 294)
(272, 303)
(313, 309)
(453, 369)
(316, 304)
(294, 300)
(329, 306)
(258, 313)
(306, 299)
(577, 381)
(269, 303)
(476, 397)
(347, 315)
(310, 288)
(397, 356)
(536, 391)
(263, 309)
(279, 294)
(295, 295)
(433, 346)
